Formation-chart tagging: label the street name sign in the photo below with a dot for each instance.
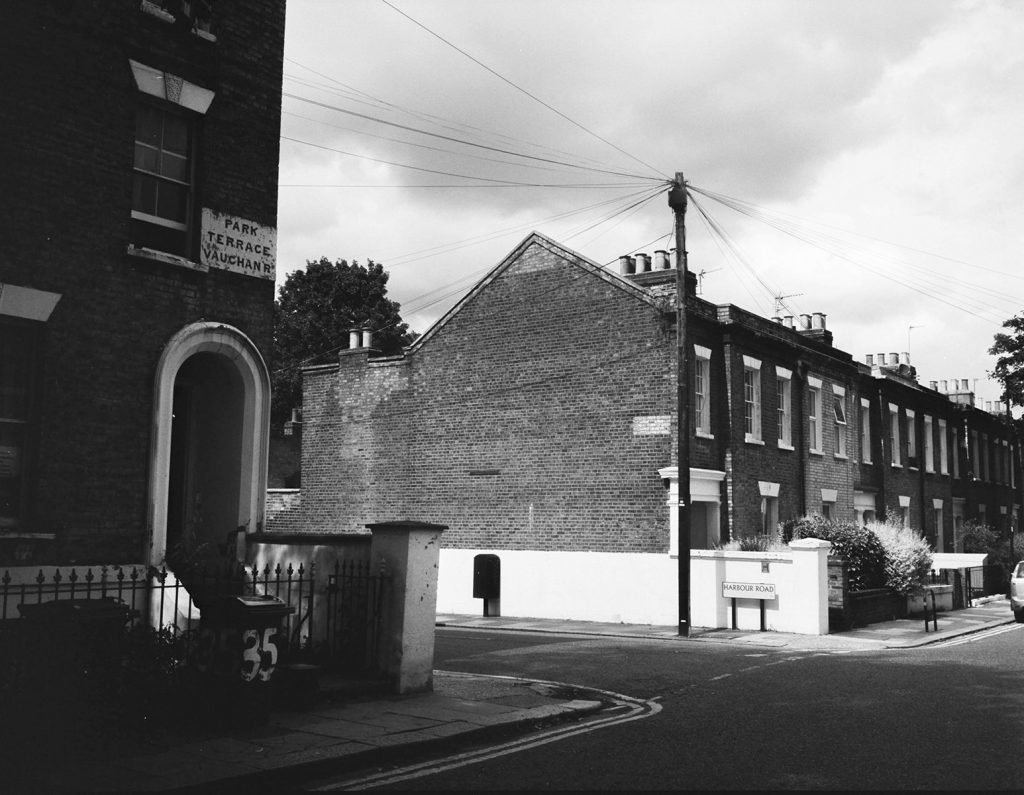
(748, 590)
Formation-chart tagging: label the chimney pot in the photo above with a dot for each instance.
(626, 265)
(934, 385)
(905, 358)
(818, 320)
(661, 260)
(880, 360)
(805, 321)
(643, 263)
(945, 386)
(367, 338)
(894, 359)
(869, 360)
(963, 385)
(787, 321)
(353, 338)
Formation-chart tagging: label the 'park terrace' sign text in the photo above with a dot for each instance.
(238, 245)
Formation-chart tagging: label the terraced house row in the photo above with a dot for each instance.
(536, 420)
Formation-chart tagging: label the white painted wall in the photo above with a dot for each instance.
(643, 588)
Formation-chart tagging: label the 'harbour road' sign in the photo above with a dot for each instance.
(748, 590)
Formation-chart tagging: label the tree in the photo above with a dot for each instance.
(313, 314)
(1009, 369)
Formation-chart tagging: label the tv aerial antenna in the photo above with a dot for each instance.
(780, 302)
(700, 279)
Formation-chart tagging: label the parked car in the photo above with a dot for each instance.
(1017, 592)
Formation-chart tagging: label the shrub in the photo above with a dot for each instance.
(908, 556)
(858, 546)
(975, 536)
(762, 542)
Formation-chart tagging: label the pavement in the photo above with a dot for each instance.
(344, 726)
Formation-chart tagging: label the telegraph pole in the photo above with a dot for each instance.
(677, 201)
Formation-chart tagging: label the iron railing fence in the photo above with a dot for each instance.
(356, 600)
(335, 619)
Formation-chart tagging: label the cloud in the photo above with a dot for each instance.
(897, 122)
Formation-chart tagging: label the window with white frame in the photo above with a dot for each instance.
(911, 439)
(943, 449)
(929, 445)
(167, 116)
(839, 412)
(865, 431)
(904, 510)
(769, 506)
(702, 391)
(784, 390)
(828, 503)
(752, 399)
(162, 187)
(814, 414)
(894, 435)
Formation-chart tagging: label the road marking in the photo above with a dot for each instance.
(635, 709)
(985, 633)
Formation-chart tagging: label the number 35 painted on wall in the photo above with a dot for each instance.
(259, 654)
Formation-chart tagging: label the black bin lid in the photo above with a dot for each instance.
(230, 608)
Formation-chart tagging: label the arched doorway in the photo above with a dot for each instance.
(208, 456)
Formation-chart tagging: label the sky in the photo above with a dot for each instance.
(860, 159)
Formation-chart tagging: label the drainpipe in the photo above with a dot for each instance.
(922, 469)
(884, 431)
(801, 380)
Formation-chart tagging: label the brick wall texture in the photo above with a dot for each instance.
(537, 414)
(68, 124)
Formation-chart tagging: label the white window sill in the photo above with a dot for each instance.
(701, 434)
(751, 440)
(812, 451)
(167, 259)
(784, 446)
(896, 466)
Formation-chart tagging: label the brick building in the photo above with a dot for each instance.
(536, 420)
(140, 149)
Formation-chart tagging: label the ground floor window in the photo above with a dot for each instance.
(19, 353)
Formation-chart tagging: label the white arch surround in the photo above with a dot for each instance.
(243, 356)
